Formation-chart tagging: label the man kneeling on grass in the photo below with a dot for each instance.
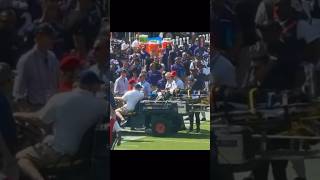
(70, 115)
(131, 98)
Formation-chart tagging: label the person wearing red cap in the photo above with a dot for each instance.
(171, 84)
(178, 81)
(132, 82)
(70, 67)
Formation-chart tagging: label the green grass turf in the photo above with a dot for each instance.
(180, 141)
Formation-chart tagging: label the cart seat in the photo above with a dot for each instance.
(134, 112)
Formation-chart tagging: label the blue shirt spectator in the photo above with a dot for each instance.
(154, 77)
(179, 68)
(162, 83)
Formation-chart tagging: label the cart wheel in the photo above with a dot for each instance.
(160, 128)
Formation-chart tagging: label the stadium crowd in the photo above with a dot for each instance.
(134, 67)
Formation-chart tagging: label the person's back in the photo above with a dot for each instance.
(73, 117)
(132, 98)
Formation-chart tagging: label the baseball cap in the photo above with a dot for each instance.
(124, 70)
(70, 63)
(138, 86)
(5, 72)
(88, 78)
(132, 81)
(173, 74)
(44, 28)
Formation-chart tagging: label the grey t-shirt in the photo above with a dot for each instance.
(72, 114)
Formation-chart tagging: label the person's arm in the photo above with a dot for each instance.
(116, 88)
(29, 117)
(42, 118)
(20, 83)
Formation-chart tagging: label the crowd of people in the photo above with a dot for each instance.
(269, 44)
(53, 71)
(137, 74)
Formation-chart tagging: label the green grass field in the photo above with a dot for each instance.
(180, 141)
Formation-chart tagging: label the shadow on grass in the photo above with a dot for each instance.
(204, 134)
(138, 141)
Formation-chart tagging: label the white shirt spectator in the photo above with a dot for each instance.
(132, 98)
(171, 86)
(135, 44)
(72, 117)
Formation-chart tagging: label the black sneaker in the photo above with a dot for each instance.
(148, 131)
(203, 119)
(198, 131)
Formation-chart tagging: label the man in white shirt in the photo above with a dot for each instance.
(171, 84)
(70, 115)
(121, 84)
(131, 98)
(178, 81)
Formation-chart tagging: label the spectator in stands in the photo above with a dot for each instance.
(37, 71)
(121, 84)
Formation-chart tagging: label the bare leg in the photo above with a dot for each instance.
(29, 169)
(119, 115)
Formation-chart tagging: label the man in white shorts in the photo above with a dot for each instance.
(131, 98)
